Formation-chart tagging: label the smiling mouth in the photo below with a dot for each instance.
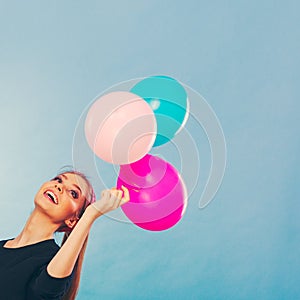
(51, 196)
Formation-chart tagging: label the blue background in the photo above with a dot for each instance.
(243, 57)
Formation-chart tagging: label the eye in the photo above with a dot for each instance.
(74, 194)
(58, 179)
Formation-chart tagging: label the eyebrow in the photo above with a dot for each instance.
(64, 176)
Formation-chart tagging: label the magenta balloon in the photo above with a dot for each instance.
(145, 172)
(157, 193)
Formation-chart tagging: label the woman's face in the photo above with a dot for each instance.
(62, 198)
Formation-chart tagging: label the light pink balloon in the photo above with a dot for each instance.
(120, 127)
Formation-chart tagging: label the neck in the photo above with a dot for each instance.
(37, 228)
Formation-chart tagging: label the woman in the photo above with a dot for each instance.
(32, 265)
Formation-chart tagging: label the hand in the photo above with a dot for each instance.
(110, 200)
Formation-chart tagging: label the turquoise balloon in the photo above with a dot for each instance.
(168, 100)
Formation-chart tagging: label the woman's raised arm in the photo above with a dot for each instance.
(63, 262)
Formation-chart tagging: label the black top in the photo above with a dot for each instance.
(24, 276)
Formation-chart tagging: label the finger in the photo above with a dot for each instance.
(116, 197)
(117, 193)
(104, 193)
(120, 196)
(126, 193)
(126, 197)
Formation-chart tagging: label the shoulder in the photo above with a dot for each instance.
(2, 242)
(45, 248)
(5, 240)
(43, 286)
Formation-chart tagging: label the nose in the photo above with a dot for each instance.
(58, 187)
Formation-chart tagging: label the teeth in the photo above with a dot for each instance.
(53, 197)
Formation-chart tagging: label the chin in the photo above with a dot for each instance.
(41, 202)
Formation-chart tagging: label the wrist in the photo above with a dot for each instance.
(92, 213)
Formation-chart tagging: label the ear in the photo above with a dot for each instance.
(71, 222)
